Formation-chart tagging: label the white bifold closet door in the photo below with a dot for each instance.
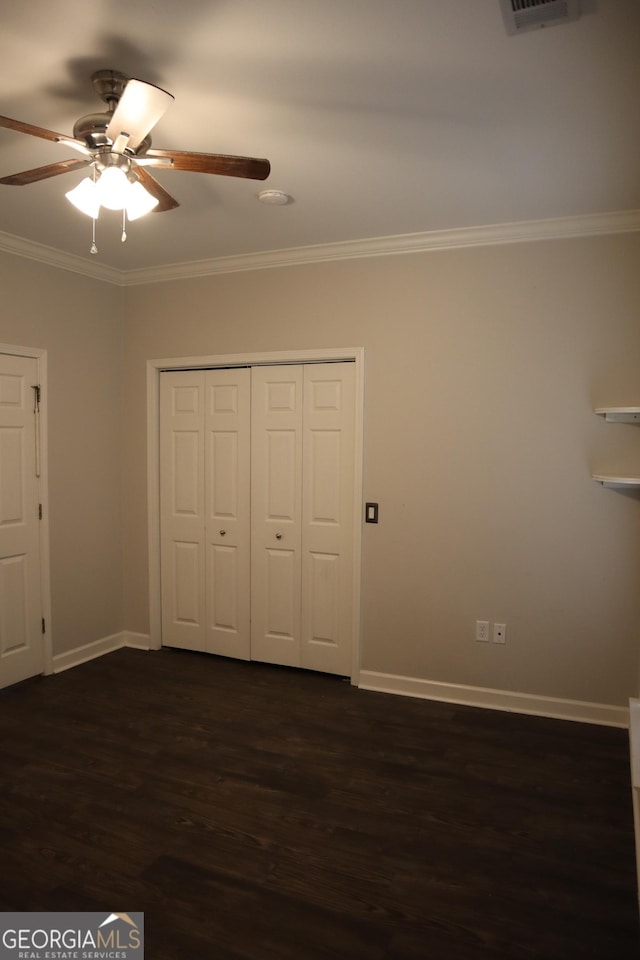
(302, 515)
(257, 491)
(204, 510)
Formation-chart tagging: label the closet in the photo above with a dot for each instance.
(256, 512)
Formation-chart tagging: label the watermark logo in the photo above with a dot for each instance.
(71, 936)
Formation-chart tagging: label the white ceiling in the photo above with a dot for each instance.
(380, 118)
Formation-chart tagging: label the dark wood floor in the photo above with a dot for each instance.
(261, 813)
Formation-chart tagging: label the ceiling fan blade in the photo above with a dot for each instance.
(251, 168)
(166, 201)
(43, 173)
(43, 133)
(139, 109)
(29, 128)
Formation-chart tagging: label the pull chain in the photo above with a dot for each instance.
(124, 225)
(93, 248)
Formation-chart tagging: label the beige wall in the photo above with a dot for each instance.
(78, 322)
(482, 368)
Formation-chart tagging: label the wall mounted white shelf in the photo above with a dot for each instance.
(608, 480)
(619, 415)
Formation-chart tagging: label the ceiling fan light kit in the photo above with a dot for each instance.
(115, 192)
(117, 147)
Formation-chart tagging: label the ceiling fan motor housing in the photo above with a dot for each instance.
(92, 130)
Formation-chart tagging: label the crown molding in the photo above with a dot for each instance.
(31, 250)
(561, 228)
(502, 233)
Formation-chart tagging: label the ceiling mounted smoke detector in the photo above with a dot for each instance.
(522, 15)
(276, 198)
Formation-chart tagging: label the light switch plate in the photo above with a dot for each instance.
(371, 512)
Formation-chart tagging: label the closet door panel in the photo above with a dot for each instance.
(327, 517)
(276, 487)
(228, 490)
(182, 509)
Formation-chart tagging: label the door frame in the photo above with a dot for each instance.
(154, 369)
(40, 356)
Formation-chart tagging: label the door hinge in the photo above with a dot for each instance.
(44, 626)
(39, 511)
(37, 391)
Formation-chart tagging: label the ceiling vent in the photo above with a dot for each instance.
(522, 15)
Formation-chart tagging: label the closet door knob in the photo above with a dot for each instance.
(278, 536)
(222, 533)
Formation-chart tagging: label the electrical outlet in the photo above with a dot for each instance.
(499, 633)
(482, 631)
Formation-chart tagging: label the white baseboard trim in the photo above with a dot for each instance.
(137, 641)
(98, 648)
(583, 712)
(557, 708)
(89, 651)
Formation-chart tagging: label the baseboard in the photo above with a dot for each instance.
(138, 641)
(583, 712)
(73, 658)
(557, 708)
(89, 651)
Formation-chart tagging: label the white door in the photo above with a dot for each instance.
(256, 495)
(182, 403)
(303, 425)
(21, 642)
(327, 517)
(227, 511)
(204, 457)
(276, 513)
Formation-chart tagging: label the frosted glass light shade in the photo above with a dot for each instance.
(139, 201)
(113, 188)
(85, 198)
(114, 191)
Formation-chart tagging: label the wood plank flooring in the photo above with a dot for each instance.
(260, 813)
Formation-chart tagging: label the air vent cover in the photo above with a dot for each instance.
(522, 15)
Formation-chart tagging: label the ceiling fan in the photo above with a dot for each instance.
(116, 145)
